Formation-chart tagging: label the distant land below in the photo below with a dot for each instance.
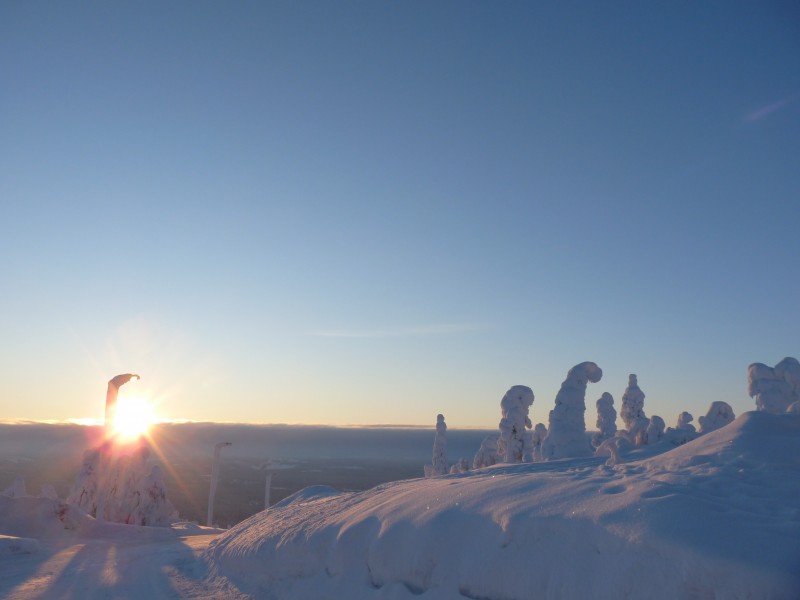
(347, 458)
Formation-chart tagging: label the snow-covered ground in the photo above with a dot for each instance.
(718, 517)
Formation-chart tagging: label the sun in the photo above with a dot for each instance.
(133, 418)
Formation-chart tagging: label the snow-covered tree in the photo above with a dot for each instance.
(719, 414)
(655, 429)
(606, 419)
(538, 435)
(794, 408)
(487, 453)
(632, 411)
(111, 399)
(566, 433)
(48, 491)
(683, 432)
(514, 440)
(774, 388)
(685, 422)
(439, 463)
(462, 466)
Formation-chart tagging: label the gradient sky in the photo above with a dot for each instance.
(372, 212)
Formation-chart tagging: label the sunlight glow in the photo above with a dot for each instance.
(133, 418)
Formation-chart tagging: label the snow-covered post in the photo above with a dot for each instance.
(267, 482)
(632, 411)
(214, 480)
(606, 419)
(566, 434)
(111, 399)
(719, 414)
(514, 440)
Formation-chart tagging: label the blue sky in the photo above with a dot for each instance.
(372, 212)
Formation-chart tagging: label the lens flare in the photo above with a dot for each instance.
(133, 418)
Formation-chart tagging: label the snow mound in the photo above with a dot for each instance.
(45, 518)
(10, 545)
(715, 518)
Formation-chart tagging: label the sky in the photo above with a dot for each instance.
(374, 212)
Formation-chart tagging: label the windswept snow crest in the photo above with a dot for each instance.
(716, 517)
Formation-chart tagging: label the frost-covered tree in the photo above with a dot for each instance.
(632, 411)
(514, 440)
(719, 414)
(794, 408)
(774, 388)
(655, 429)
(606, 419)
(683, 432)
(462, 466)
(439, 463)
(486, 456)
(538, 435)
(112, 485)
(111, 398)
(48, 491)
(685, 422)
(566, 433)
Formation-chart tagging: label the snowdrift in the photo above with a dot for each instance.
(718, 517)
(45, 518)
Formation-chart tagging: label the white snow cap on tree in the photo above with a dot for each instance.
(514, 441)
(719, 414)
(774, 388)
(538, 435)
(566, 434)
(487, 453)
(439, 466)
(632, 411)
(606, 419)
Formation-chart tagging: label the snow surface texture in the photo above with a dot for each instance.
(632, 412)
(566, 433)
(775, 389)
(715, 518)
(439, 460)
(719, 414)
(606, 419)
(515, 442)
(114, 485)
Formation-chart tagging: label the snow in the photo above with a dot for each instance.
(719, 414)
(566, 433)
(515, 442)
(632, 412)
(716, 517)
(606, 419)
(439, 464)
(774, 389)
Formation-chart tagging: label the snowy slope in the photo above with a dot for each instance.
(716, 518)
